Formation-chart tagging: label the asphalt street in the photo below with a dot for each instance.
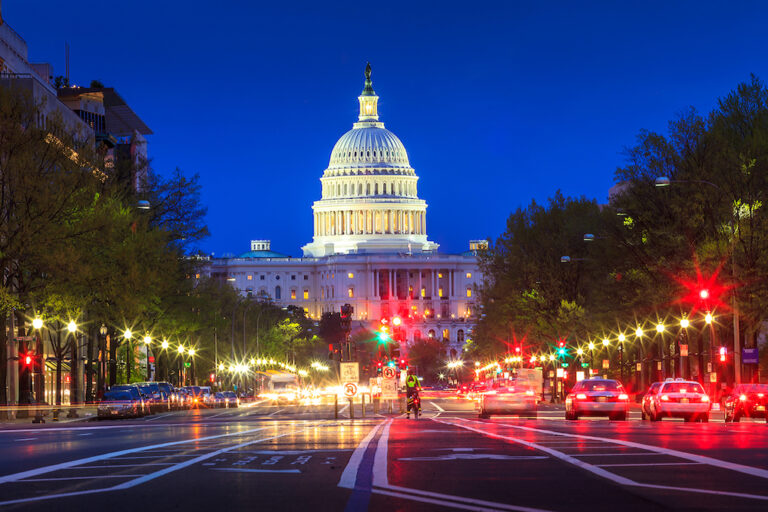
(287, 457)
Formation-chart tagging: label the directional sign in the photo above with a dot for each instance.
(750, 356)
(350, 389)
(606, 363)
(389, 373)
(388, 389)
(350, 372)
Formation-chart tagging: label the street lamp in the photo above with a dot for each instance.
(37, 323)
(127, 335)
(147, 341)
(101, 378)
(73, 376)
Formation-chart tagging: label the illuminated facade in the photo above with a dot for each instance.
(370, 246)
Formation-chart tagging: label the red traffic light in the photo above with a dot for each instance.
(704, 294)
(402, 362)
(378, 364)
(561, 343)
(28, 360)
(723, 354)
(213, 377)
(517, 349)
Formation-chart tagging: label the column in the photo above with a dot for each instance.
(424, 223)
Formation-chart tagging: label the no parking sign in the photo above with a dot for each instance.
(350, 389)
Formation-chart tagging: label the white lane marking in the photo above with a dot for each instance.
(559, 455)
(455, 501)
(222, 414)
(65, 465)
(349, 475)
(149, 476)
(292, 452)
(244, 470)
(650, 464)
(77, 478)
(475, 456)
(628, 454)
(25, 439)
(437, 407)
(86, 434)
(380, 476)
(343, 408)
(161, 456)
(137, 465)
(722, 464)
(607, 474)
(160, 416)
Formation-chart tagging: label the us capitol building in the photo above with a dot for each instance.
(370, 246)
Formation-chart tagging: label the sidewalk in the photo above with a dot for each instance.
(18, 415)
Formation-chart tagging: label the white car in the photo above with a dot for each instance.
(512, 399)
(678, 398)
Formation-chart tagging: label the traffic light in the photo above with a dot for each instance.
(723, 354)
(403, 363)
(27, 360)
(517, 350)
(391, 363)
(213, 377)
(383, 334)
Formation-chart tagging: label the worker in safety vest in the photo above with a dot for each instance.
(412, 387)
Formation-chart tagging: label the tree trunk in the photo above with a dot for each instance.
(89, 367)
(74, 378)
(112, 362)
(4, 384)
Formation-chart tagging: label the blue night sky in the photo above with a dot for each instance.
(496, 103)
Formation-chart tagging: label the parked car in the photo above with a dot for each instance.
(218, 400)
(172, 393)
(118, 404)
(645, 403)
(161, 401)
(747, 400)
(678, 398)
(597, 397)
(136, 394)
(516, 398)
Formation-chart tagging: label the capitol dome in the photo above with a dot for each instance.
(369, 147)
(369, 192)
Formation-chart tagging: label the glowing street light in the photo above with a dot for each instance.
(164, 344)
(37, 323)
(579, 351)
(622, 338)
(147, 340)
(639, 333)
(591, 346)
(181, 349)
(192, 352)
(684, 323)
(606, 342)
(127, 334)
(659, 328)
(72, 326)
(708, 318)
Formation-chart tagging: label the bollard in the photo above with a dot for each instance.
(389, 402)
(336, 407)
(362, 404)
(351, 409)
(56, 414)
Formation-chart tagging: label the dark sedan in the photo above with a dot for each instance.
(118, 404)
(747, 400)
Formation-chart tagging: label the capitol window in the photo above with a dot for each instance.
(469, 275)
(440, 292)
(351, 275)
(306, 294)
(250, 277)
(423, 291)
(306, 278)
(469, 291)
(293, 277)
(293, 294)
(350, 292)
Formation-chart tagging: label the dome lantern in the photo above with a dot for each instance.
(368, 99)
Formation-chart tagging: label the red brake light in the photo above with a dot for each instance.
(704, 398)
(665, 397)
(28, 360)
(623, 396)
(581, 396)
(743, 398)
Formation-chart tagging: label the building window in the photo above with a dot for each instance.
(306, 294)
(431, 334)
(278, 293)
(410, 292)
(469, 275)
(440, 292)
(197, 276)
(293, 294)
(351, 275)
(261, 277)
(460, 335)
(446, 335)
(306, 278)
(350, 292)
(423, 291)
(469, 291)
(277, 278)
(439, 275)
(293, 277)
(250, 277)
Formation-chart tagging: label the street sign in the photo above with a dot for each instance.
(713, 377)
(606, 363)
(24, 338)
(350, 372)
(749, 356)
(579, 376)
(560, 372)
(389, 373)
(388, 389)
(350, 389)
(684, 350)
(639, 367)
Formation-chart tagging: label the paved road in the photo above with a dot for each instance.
(300, 458)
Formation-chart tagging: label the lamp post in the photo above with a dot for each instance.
(101, 370)
(164, 346)
(664, 181)
(147, 342)
(127, 336)
(661, 367)
(192, 379)
(181, 365)
(73, 376)
(37, 324)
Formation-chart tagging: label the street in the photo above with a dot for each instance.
(289, 457)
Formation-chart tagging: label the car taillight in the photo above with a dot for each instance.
(665, 397)
(704, 398)
(529, 392)
(760, 395)
(743, 398)
(581, 396)
(623, 396)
